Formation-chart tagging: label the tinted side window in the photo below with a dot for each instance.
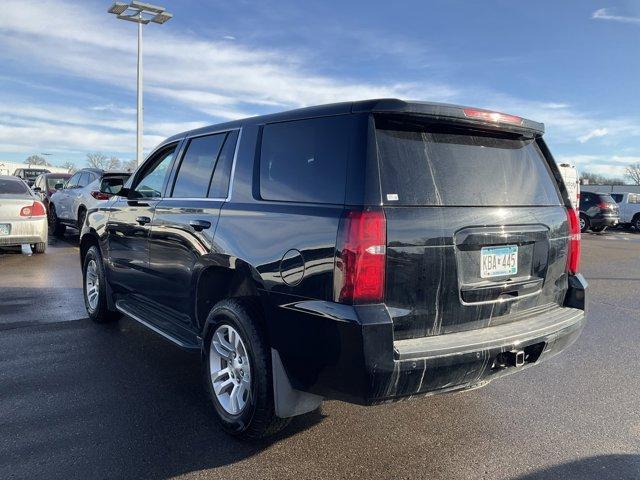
(196, 168)
(305, 160)
(73, 181)
(83, 181)
(151, 179)
(220, 182)
(617, 197)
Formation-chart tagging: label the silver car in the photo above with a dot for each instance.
(23, 218)
(69, 204)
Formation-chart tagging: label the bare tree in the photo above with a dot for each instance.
(595, 179)
(69, 166)
(36, 160)
(632, 172)
(129, 165)
(114, 164)
(97, 160)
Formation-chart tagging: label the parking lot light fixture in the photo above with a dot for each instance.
(142, 14)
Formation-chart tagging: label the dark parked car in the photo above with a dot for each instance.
(45, 185)
(29, 174)
(365, 251)
(598, 211)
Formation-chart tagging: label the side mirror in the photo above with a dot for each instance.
(36, 189)
(58, 186)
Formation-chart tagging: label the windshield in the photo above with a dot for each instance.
(53, 181)
(9, 187)
(424, 164)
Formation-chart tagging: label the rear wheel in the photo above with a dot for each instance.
(584, 223)
(38, 248)
(57, 228)
(636, 222)
(237, 368)
(95, 288)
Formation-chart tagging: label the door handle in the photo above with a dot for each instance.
(143, 220)
(199, 225)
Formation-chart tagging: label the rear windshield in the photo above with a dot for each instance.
(32, 174)
(423, 164)
(606, 198)
(53, 181)
(13, 188)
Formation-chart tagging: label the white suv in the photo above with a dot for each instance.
(629, 208)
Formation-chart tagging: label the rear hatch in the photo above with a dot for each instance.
(476, 225)
(608, 205)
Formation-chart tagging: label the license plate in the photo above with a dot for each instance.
(498, 261)
(5, 228)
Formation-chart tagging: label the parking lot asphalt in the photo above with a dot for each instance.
(79, 400)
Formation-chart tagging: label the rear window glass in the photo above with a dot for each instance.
(53, 181)
(431, 165)
(617, 197)
(305, 160)
(606, 198)
(13, 187)
(197, 166)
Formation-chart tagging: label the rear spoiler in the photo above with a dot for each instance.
(454, 114)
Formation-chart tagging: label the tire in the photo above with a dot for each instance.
(584, 223)
(94, 282)
(38, 248)
(256, 418)
(599, 229)
(57, 228)
(635, 223)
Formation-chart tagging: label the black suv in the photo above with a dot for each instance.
(364, 251)
(598, 211)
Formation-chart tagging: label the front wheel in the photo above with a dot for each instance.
(237, 370)
(56, 228)
(95, 288)
(636, 223)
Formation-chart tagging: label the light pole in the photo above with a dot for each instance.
(140, 13)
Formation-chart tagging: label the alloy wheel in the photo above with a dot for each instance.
(92, 284)
(230, 369)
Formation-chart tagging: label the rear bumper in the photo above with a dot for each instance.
(604, 220)
(26, 231)
(348, 353)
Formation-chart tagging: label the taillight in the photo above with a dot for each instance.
(489, 116)
(361, 256)
(100, 196)
(35, 210)
(573, 256)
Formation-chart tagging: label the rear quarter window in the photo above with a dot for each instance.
(305, 160)
(444, 166)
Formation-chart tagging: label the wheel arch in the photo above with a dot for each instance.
(87, 240)
(233, 279)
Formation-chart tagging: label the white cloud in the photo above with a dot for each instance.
(596, 133)
(604, 14)
(216, 79)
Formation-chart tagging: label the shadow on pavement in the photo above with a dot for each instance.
(86, 401)
(602, 467)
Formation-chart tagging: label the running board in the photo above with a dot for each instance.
(122, 307)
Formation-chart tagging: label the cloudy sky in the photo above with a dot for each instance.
(67, 75)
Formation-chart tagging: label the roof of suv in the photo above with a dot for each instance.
(381, 105)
